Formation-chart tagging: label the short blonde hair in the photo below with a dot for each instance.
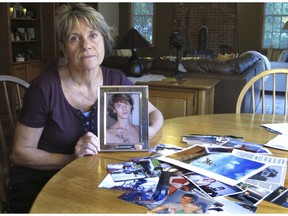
(68, 14)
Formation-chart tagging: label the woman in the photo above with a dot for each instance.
(120, 107)
(58, 122)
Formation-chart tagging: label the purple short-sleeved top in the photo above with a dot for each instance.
(46, 106)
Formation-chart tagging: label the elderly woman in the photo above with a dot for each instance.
(58, 122)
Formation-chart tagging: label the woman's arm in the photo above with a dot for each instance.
(155, 120)
(26, 153)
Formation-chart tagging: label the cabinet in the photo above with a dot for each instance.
(178, 98)
(21, 43)
(26, 39)
(22, 35)
(27, 71)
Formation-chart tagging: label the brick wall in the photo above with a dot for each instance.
(219, 18)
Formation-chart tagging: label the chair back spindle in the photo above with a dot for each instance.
(257, 86)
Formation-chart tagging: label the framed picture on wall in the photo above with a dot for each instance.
(123, 118)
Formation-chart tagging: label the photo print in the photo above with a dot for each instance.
(123, 118)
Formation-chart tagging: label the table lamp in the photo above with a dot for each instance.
(133, 40)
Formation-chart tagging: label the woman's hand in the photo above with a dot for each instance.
(88, 144)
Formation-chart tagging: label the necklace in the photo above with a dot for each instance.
(78, 87)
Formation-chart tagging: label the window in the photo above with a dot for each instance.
(142, 16)
(275, 17)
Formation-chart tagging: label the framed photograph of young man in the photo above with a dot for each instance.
(123, 118)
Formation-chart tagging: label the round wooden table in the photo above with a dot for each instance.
(74, 189)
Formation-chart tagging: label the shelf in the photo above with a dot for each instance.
(23, 19)
(27, 62)
(24, 41)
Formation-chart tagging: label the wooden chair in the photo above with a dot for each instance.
(11, 93)
(250, 87)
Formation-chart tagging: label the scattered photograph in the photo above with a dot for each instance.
(164, 149)
(278, 142)
(251, 208)
(279, 197)
(227, 168)
(219, 149)
(125, 171)
(183, 202)
(251, 194)
(171, 180)
(245, 146)
(277, 128)
(150, 166)
(224, 205)
(137, 168)
(212, 187)
(272, 176)
(201, 139)
(139, 191)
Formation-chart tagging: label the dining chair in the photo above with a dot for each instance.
(249, 90)
(11, 93)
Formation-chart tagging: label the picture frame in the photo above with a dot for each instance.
(131, 111)
(30, 33)
(21, 33)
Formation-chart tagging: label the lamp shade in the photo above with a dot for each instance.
(133, 39)
(286, 25)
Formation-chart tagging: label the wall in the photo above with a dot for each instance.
(236, 24)
(249, 26)
(110, 11)
(164, 26)
(218, 18)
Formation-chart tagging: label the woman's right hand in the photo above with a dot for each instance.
(88, 144)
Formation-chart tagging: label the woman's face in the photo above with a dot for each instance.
(123, 109)
(84, 47)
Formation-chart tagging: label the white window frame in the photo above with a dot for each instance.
(274, 36)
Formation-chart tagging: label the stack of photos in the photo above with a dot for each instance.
(201, 179)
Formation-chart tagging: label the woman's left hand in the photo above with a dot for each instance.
(88, 144)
